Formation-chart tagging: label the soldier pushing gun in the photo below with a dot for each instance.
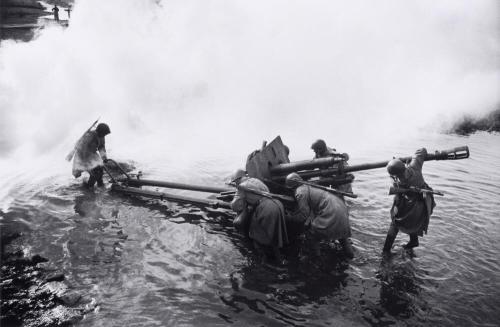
(413, 200)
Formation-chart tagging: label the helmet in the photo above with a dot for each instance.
(319, 145)
(396, 167)
(238, 175)
(293, 180)
(102, 129)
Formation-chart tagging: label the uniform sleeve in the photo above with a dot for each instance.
(303, 204)
(238, 203)
(418, 159)
(101, 146)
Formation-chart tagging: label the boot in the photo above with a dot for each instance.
(91, 181)
(99, 172)
(413, 243)
(347, 246)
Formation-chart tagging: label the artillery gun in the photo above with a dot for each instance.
(271, 165)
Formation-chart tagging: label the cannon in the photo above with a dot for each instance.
(271, 165)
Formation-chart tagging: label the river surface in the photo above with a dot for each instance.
(151, 263)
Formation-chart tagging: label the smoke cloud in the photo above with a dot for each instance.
(182, 79)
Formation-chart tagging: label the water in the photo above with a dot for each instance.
(158, 264)
(190, 89)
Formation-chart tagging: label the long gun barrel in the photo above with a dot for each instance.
(286, 168)
(457, 153)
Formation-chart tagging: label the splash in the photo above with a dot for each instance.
(180, 80)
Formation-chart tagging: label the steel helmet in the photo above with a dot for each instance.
(102, 129)
(293, 180)
(236, 177)
(319, 145)
(396, 167)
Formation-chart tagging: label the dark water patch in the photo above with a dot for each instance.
(33, 294)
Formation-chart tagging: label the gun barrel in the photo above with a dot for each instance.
(285, 168)
(457, 153)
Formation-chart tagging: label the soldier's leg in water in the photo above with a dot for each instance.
(347, 246)
(391, 236)
(99, 172)
(413, 243)
(92, 179)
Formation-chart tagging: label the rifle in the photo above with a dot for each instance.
(72, 152)
(329, 189)
(399, 190)
(267, 194)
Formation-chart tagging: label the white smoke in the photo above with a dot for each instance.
(181, 79)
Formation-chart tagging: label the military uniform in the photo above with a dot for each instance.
(87, 157)
(260, 217)
(411, 210)
(325, 217)
(329, 152)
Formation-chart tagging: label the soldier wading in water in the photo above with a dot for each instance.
(413, 204)
(325, 216)
(259, 217)
(89, 155)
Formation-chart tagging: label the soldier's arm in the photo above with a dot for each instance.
(418, 158)
(303, 206)
(238, 204)
(101, 147)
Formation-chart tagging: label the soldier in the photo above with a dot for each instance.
(90, 155)
(262, 216)
(55, 10)
(322, 151)
(324, 214)
(411, 210)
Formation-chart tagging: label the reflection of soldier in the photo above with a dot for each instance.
(325, 215)
(68, 10)
(55, 10)
(322, 151)
(411, 210)
(399, 288)
(86, 156)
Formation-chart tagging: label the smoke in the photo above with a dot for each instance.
(177, 80)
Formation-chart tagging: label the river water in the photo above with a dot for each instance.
(189, 89)
(148, 263)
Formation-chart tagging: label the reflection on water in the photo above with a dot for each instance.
(158, 264)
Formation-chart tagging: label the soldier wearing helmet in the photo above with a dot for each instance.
(91, 154)
(321, 150)
(325, 215)
(411, 210)
(259, 217)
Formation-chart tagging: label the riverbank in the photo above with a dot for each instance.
(469, 124)
(21, 18)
